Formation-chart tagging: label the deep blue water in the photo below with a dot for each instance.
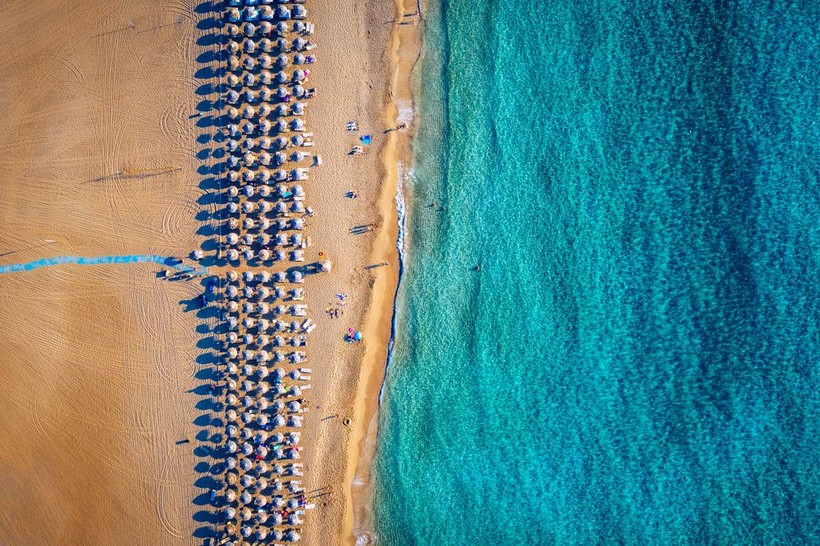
(638, 360)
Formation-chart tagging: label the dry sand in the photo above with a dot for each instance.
(104, 153)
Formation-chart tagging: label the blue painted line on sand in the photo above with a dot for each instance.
(99, 260)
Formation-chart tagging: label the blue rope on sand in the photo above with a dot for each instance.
(99, 260)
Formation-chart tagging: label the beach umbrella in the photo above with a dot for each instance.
(265, 77)
(264, 239)
(250, 94)
(247, 384)
(265, 45)
(325, 265)
(298, 155)
(247, 401)
(295, 421)
(297, 140)
(299, 27)
(247, 354)
(264, 206)
(298, 108)
(260, 501)
(280, 143)
(248, 175)
(279, 326)
(262, 356)
(299, 75)
(247, 449)
(262, 403)
(282, 12)
(233, 176)
(233, 208)
(262, 468)
(262, 419)
(248, 63)
(247, 127)
(232, 322)
(245, 464)
(293, 519)
(248, 79)
(232, 337)
(278, 421)
(233, 62)
(233, 80)
(299, 11)
(298, 59)
(247, 206)
(233, 113)
(232, 47)
(292, 536)
(233, 191)
(231, 400)
(279, 126)
(297, 124)
(281, 28)
(247, 480)
(294, 406)
(231, 431)
(231, 368)
(245, 531)
(231, 290)
(249, 29)
(276, 519)
(279, 78)
(264, 255)
(298, 90)
(230, 462)
(232, 161)
(264, 126)
(247, 291)
(298, 190)
(281, 45)
(230, 512)
(231, 446)
(299, 43)
(248, 111)
(297, 223)
(266, 13)
(232, 29)
(245, 514)
(357, 336)
(297, 206)
(264, 292)
(232, 96)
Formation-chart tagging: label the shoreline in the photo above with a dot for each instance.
(397, 159)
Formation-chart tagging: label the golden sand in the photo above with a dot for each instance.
(102, 148)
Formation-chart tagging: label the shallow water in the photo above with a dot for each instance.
(637, 360)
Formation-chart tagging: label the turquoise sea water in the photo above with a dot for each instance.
(638, 360)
